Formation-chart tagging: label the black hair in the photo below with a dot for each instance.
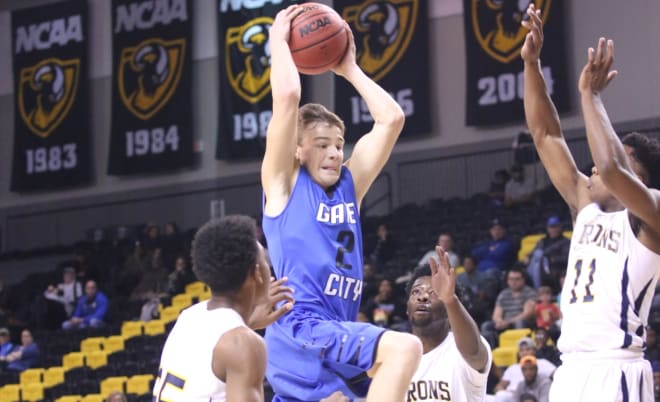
(646, 151)
(224, 252)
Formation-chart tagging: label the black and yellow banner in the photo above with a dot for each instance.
(151, 94)
(392, 42)
(245, 97)
(51, 123)
(493, 39)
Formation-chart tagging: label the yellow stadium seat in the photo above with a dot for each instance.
(169, 314)
(139, 384)
(182, 301)
(130, 329)
(567, 234)
(10, 393)
(96, 359)
(510, 337)
(196, 288)
(68, 398)
(206, 295)
(154, 327)
(91, 344)
(527, 244)
(31, 376)
(53, 376)
(113, 343)
(72, 360)
(32, 392)
(505, 356)
(112, 384)
(92, 398)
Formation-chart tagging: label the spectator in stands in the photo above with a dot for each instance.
(549, 257)
(58, 301)
(151, 238)
(447, 243)
(132, 269)
(514, 307)
(6, 347)
(519, 189)
(385, 308)
(370, 281)
(547, 312)
(497, 187)
(496, 254)
(24, 356)
(544, 349)
(533, 383)
(513, 375)
(385, 247)
(171, 244)
(153, 278)
(483, 288)
(116, 396)
(180, 277)
(90, 310)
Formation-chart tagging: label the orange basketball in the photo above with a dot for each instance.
(318, 39)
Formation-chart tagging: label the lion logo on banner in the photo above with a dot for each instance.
(46, 92)
(496, 25)
(383, 30)
(149, 73)
(247, 59)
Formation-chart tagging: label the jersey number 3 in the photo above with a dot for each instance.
(346, 239)
(588, 296)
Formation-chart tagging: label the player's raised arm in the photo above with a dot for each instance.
(373, 149)
(607, 151)
(543, 120)
(279, 161)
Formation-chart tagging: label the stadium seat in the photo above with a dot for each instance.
(196, 289)
(91, 344)
(139, 384)
(72, 360)
(154, 327)
(527, 244)
(92, 398)
(10, 393)
(53, 376)
(130, 329)
(510, 337)
(96, 359)
(113, 343)
(505, 356)
(68, 398)
(112, 384)
(31, 376)
(169, 314)
(182, 301)
(32, 392)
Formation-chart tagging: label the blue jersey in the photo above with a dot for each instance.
(317, 243)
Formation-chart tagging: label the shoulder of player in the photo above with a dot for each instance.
(240, 341)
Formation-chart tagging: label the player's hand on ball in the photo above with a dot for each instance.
(267, 311)
(281, 28)
(349, 59)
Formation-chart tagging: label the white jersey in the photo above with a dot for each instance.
(609, 285)
(443, 375)
(185, 373)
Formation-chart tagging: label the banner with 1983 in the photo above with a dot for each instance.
(151, 91)
(51, 123)
(493, 39)
(391, 38)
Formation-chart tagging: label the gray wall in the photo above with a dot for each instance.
(29, 220)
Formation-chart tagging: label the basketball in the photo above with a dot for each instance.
(318, 39)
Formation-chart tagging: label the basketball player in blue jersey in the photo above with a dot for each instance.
(312, 225)
(614, 258)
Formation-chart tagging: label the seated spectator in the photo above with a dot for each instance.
(545, 350)
(495, 255)
(534, 383)
(497, 187)
(547, 312)
(25, 356)
(484, 289)
(57, 302)
(384, 249)
(180, 277)
(518, 189)
(6, 347)
(90, 310)
(513, 375)
(447, 243)
(549, 257)
(385, 308)
(514, 307)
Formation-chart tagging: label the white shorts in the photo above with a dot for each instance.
(616, 376)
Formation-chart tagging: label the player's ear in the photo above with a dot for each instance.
(258, 274)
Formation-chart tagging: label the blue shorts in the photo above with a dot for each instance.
(310, 358)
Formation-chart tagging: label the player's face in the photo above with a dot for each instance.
(424, 306)
(597, 189)
(321, 151)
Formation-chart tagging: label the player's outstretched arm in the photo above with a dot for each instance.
(279, 162)
(373, 149)
(239, 360)
(466, 332)
(543, 120)
(606, 149)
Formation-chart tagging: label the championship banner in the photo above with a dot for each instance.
(151, 86)
(51, 123)
(245, 97)
(493, 39)
(392, 44)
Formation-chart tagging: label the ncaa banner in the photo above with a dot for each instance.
(245, 97)
(151, 94)
(493, 39)
(51, 123)
(391, 37)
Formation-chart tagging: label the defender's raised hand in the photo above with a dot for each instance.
(596, 74)
(443, 279)
(266, 312)
(531, 49)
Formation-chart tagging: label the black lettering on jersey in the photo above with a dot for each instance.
(424, 390)
(600, 236)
